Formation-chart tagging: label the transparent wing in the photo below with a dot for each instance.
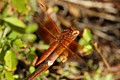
(78, 49)
(74, 57)
(43, 32)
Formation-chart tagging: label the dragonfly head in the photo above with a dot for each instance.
(70, 33)
(75, 33)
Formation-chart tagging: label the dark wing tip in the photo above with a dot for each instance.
(83, 66)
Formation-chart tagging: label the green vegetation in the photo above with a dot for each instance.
(16, 37)
(18, 45)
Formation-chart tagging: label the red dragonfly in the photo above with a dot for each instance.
(60, 42)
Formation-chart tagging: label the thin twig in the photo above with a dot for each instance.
(103, 58)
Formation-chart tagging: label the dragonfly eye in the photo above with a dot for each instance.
(75, 33)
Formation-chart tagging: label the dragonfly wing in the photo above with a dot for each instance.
(43, 32)
(49, 23)
(75, 47)
(74, 57)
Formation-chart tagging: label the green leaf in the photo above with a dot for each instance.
(99, 70)
(31, 57)
(0, 29)
(1, 67)
(16, 77)
(2, 75)
(45, 73)
(87, 49)
(109, 77)
(87, 35)
(82, 42)
(15, 28)
(31, 69)
(56, 8)
(97, 77)
(15, 21)
(43, 46)
(65, 74)
(6, 11)
(88, 77)
(31, 28)
(4, 49)
(9, 76)
(13, 35)
(18, 43)
(31, 37)
(20, 5)
(6, 31)
(10, 61)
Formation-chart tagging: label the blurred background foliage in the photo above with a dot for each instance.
(17, 38)
(18, 41)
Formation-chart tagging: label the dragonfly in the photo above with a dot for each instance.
(61, 44)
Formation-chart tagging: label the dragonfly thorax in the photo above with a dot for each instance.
(70, 33)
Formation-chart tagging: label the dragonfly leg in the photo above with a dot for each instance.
(63, 57)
